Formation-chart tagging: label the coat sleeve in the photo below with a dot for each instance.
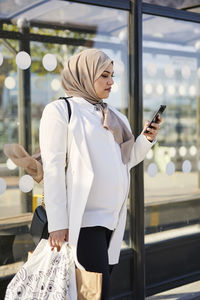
(53, 146)
(140, 148)
(141, 145)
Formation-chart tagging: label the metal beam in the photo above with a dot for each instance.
(121, 4)
(58, 40)
(24, 111)
(9, 46)
(169, 12)
(136, 119)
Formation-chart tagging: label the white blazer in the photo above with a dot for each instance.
(66, 194)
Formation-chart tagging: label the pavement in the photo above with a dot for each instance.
(187, 292)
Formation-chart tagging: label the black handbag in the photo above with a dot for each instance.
(39, 224)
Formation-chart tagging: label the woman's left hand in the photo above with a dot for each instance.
(152, 132)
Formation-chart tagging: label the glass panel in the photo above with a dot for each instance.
(16, 205)
(183, 4)
(8, 128)
(171, 74)
(15, 240)
(9, 8)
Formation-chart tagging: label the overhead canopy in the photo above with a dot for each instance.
(64, 13)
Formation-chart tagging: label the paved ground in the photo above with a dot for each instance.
(187, 292)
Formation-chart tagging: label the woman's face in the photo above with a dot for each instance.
(103, 84)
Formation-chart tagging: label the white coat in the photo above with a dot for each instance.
(66, 194)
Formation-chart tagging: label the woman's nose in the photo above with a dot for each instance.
(111, 81)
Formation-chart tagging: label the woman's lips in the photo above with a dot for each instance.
(109, 89)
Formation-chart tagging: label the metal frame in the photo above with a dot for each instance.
(173, 13)
(121, 4)
(135, 116)
(55, 40)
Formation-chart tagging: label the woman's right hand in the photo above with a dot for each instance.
(58, 237)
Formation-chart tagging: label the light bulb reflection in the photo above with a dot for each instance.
(10, 82)
(148, 88)
(49, 62)
(1, 59)
(26, 183)
(10, 164)
(171, 89)
(182, 151)
(23, 60)
(159, 89)
(185, 71)
(152, 170)
(192, 90)
(182, 90)
(2, 186)
(169, 71)
(151, 69)
(55, 85)
(115, 87)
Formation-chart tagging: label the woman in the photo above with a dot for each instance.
(87, 205)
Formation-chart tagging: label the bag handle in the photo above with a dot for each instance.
(68, 105)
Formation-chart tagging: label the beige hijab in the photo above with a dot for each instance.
(78, 79)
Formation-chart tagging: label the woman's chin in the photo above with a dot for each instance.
(106, 95)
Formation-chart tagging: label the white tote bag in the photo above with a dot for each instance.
(47, 274)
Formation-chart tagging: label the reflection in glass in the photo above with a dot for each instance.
(55, 85)
(10, 82)
(171, 89)
(10, 164)
(186, 166)
(1, 59)
(23, 60)
(26, 183)
(2, 186)
(170, 168)
(152, 170)
(169, 70)
(176, 153)
(49, 62)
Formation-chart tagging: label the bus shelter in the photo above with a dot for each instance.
(155, 46)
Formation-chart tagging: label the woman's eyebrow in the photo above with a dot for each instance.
(108, 72)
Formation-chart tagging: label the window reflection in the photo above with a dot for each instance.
(171, 77)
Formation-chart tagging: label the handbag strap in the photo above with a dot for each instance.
(68, 105)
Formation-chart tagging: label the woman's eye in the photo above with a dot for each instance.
(105, 76)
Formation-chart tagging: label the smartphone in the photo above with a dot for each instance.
(155, 116)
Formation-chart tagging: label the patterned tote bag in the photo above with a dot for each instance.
(48, 274)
